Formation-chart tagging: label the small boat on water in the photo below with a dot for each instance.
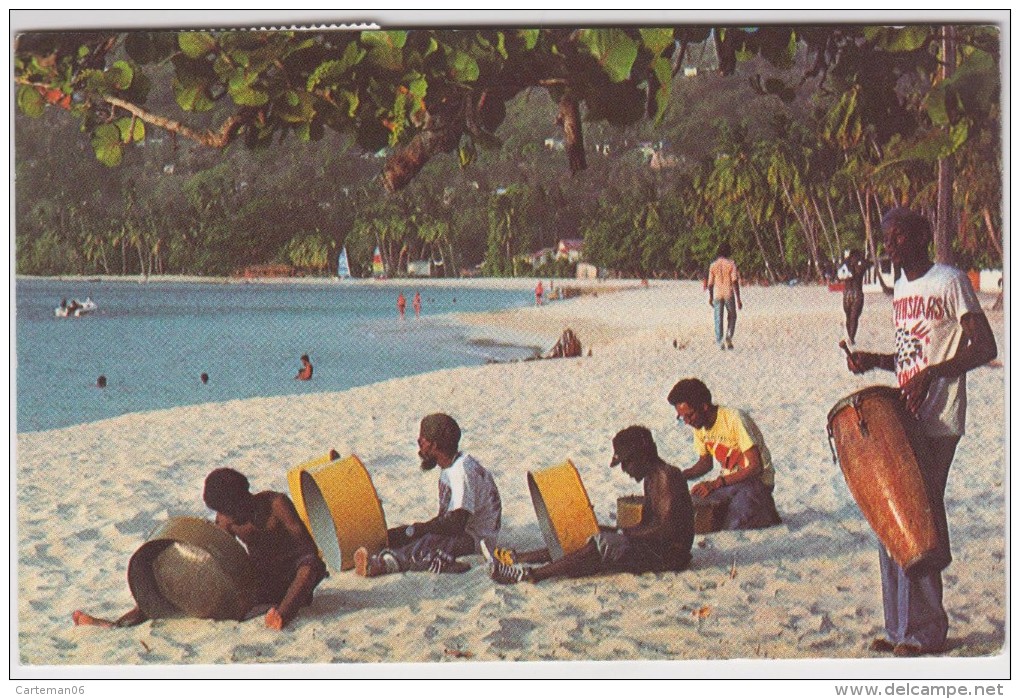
(75, 309)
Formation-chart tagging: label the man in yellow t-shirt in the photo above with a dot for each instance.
(732, 438)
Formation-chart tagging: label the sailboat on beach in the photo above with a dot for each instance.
(343, 267)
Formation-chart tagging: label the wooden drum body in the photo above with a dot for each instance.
(564, 512)
(191, 568)
(340, 507)
(869, 434)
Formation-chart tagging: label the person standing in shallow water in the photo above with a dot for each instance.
(724, 294)
(401, 304)
(305, 373)
(417, 304)
(941, 334)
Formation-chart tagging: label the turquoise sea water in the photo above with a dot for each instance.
(153, 341)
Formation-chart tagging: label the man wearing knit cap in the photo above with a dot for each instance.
(661, 541)
(470, 510)
(941, 334)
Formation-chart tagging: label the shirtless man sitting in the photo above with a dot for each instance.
(660, 542)
(280, 548)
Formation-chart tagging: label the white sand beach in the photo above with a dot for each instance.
(808, 589)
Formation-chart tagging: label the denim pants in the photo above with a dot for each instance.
(749, 505)
(913, 607)
(731, 317)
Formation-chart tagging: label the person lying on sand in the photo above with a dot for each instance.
(731, 436)
(280, 548)
(470, 510)
(660, 542)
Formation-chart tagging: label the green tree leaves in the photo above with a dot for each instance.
(613, 49)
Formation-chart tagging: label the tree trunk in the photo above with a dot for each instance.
(757, 239)
(779, 241)
(944, 220)
(992, 235)
(864, 204)
(441, 134)
(832, 218)
(821, 223)
(569, 118)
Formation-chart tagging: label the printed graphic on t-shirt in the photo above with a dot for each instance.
(729, 457)
(913, 338)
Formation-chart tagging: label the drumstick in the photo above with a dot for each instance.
(842, 344)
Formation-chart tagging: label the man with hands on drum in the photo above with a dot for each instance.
(660, 542)
(941, 334)
(745, 486)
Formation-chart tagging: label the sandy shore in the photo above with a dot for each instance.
(808, 589)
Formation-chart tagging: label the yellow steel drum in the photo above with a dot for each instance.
(565, 514)
(341, 508)
(628, 510)
(191, 568)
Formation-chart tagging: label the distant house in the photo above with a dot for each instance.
(419, 268)
(586, 270)
(690, 72)
(570, 249)
(541, 257)
(554, 144)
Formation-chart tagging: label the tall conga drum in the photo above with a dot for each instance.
(341, 508)
(191, 568)
(869, 432)
(564, 512)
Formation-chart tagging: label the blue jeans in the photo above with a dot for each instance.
(913, 607)
(749, 505)
(731, 317)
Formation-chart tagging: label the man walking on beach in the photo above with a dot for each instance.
(279, 546)
(470, 510)
(941, 334)
(724, 293)
(745, 485)
(660, 542)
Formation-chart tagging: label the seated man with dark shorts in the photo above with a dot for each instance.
(660, 542)
(745, 486)
(280, 548)
(470, 510)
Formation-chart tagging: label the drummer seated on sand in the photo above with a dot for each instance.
(470, 510)
(280, 548)
(660, 542)
(745, 484)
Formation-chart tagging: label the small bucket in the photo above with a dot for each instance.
(708, 516)
(565, 514)
(341, 508)
(191, 568)
(628, 510)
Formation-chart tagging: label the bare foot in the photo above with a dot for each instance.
(274, 620)
(80, 618)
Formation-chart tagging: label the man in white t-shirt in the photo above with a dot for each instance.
(941, 334)
(470, 510)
